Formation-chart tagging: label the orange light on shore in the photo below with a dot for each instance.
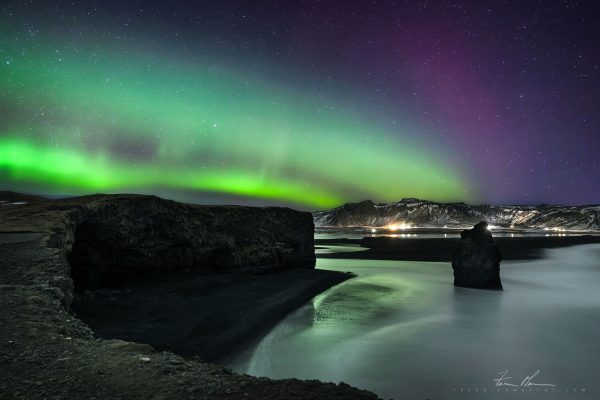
(398, 227)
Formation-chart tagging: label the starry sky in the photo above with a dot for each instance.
(307, 104)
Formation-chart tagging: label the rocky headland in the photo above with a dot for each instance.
(242, 268)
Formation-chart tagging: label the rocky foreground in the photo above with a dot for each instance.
(47, 352)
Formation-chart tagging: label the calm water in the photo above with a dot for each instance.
(402, 330)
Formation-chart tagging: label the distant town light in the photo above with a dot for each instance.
(395, 227)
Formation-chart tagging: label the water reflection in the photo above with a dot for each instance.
(402, 330)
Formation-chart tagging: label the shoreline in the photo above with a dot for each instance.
(181, 316)
(48, 352)
(440, 249)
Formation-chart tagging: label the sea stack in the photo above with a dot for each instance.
(476, 260)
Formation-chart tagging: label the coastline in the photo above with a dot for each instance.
(55, 347)
(440, 250)
(209, 316)
(46, 351)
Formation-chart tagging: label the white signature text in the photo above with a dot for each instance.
(505, 380)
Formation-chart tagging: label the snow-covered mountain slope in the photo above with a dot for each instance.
(428, 213)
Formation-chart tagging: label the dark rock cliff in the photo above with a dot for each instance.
(118, 239)
(115, 240)
(109, 239)
(476, 260)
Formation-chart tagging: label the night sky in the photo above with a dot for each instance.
(303, 103)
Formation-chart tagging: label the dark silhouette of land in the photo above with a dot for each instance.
(388, 248)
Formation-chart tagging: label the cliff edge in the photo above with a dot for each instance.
(122, 240)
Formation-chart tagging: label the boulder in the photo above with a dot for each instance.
(476, 260)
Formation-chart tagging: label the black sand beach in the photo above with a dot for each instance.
(207, 316)
(196, 317)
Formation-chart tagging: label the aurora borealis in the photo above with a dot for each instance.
(264, 103)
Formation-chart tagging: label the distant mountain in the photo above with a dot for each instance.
(432, 214)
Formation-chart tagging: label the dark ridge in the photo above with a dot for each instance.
(7, 195)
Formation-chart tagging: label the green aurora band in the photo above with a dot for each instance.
(80, 120)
